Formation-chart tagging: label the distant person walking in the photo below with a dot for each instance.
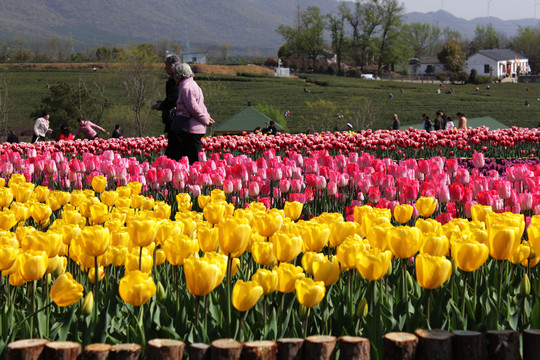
(41, 128)
(190, 108)
(396, 124)
(167, 106)
(440, 121)
(462, 123)
(86, 128)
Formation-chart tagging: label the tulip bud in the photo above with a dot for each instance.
(524, 286)
(410, 281)
(88, 304)
(454, 267)
(389, 271)
(161, 293)
(302, 312)
(49, 279)
(362, 308)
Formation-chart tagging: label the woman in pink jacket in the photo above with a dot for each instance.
(87, 129)
(190, 106)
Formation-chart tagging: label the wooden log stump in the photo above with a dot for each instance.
(96, 351)
(399, 346)
(434, 345)
(165, 349)
(125, 352)
(259, 350)
(62, 350)
(290, 349)
(226, 349)
(354, 347)
(320, 347)
(199, 351)
(468, 345)
(531, 343)
(29, 349)
(503, 344)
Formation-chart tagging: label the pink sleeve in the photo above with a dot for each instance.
(195, 106)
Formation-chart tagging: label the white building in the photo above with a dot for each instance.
(194, 58)
(428, 65)
(503, 63)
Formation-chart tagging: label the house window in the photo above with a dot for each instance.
(486, 69)
(194, 59)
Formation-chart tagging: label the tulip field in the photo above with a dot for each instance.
(270, 236)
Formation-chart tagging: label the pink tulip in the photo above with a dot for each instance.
(284, 185)
(451, 165)
(390, 193)
(300, 197)
(374, 194)
(444, 194)
(333, 190)
(525, 201)
(462, 176)
(227, 186)
(504, 189)
(253, 189)
(478, 160)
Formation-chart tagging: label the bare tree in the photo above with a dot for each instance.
(362, 113)
(4, 105)
(138, 81)
(95, 92)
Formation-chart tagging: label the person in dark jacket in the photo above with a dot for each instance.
(116, 132)
(396, 124)
(167, 106)
(440, 121)
(12, 138)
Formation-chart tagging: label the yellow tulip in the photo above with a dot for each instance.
(50, 242)
(165, 228)
(16, 279)
(202, 277)
(109, 198)
(23, 191)
(315, 236)
(246, 294)
(287, 276)
(426, 205)
(266, 224)
(16, 179)
(65, 290)
(99, 183)
(502, 240)
(41, 193)
(533, 258)
(429, 226)
(6, 197)
(220, 261)
(57, 265)
(71, 217)
(308, 292)
(179, 247)
(22, 232)
(136, 288)
(118, 255)
(53, 203)
(208, 238)
(403, 213)
(7, 220)
(404, 241)
(308, 258)
(434, 245)
(147, 203)
(533, 233)
(33, 264)
(61, 197)
(8, 255)
(378, 235)
(95, 240)
(162, 210)
(367, 217)
(99, 213)
(340, 230)
(217, 195)
(203, 200)
(263, 253)
(373, 263)
(432, 271)
(135, 187)
(135, 260)
(40, 212)
(120, 237)
(468, 254)
(267, 279)
(142, 232)
(123, 203)
(214, 211)
(234, 234)
(286, 246)
(479, 212)
(77, 197)
(88, 304)
(20, 211)
(92, 274)
(184, 202)
(347, 251)
(522, 252)
(326, 270)
(293, 209)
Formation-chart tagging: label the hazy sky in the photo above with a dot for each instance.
(469, 9)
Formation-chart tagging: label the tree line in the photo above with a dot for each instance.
(372, 36)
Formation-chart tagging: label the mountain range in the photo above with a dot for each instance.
(246, 26)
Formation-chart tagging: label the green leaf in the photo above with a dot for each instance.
(535, 316)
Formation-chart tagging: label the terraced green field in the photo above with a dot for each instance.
(228, 94)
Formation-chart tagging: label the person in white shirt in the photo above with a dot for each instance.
(41, 128)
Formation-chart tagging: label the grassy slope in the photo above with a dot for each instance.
(228, 94)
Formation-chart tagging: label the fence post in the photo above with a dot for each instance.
(29, 349)
(164, 349)
(399, 346)
(434, 344)
(468, 345)
(96, 351)
(290, 349)
(354, 347)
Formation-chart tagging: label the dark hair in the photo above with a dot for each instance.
(117, 126)
(460, 114)
(80, 119)
(64, 129)
(272, 122)
(44, 113)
